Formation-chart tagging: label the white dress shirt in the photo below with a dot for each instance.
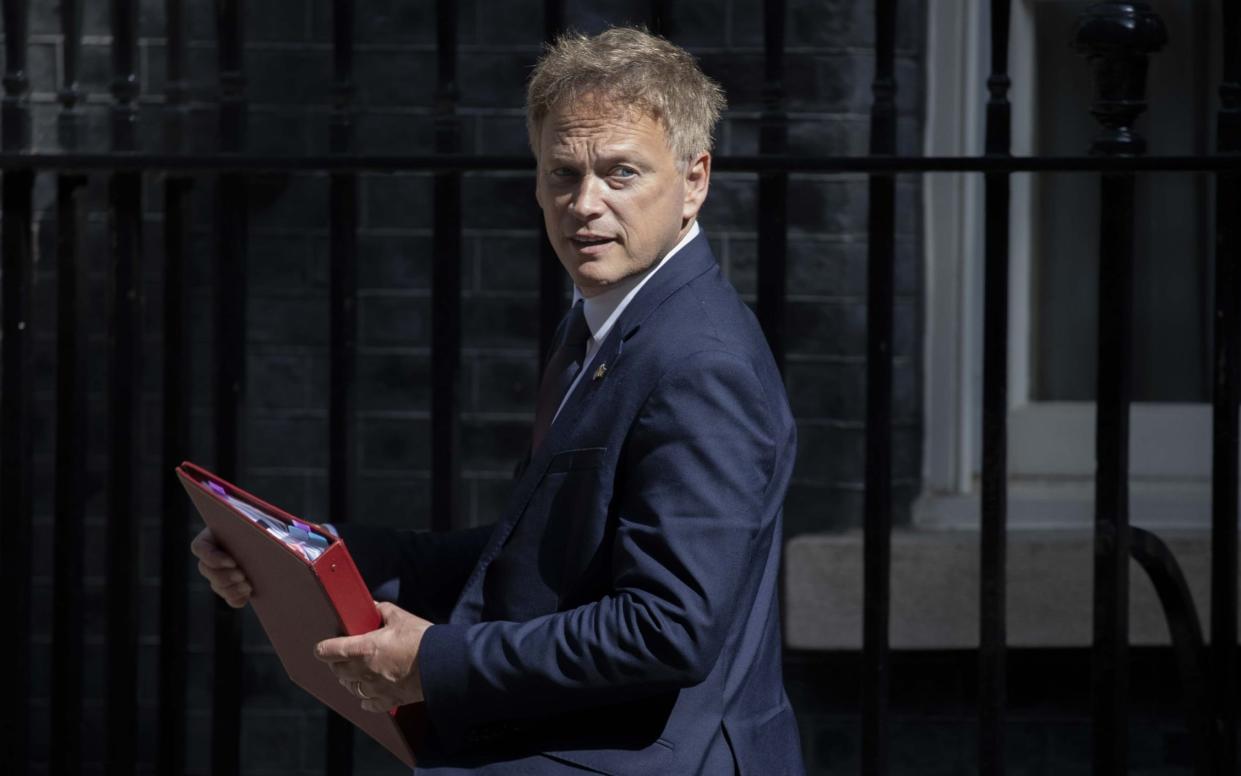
(603, 310)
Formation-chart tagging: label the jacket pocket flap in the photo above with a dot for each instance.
(573, 460)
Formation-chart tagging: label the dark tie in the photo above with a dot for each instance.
(564, 365)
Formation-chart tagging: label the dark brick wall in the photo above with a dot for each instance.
(284, 436)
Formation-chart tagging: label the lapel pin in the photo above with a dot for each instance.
(600, 372)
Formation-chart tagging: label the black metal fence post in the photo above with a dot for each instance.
(125, 335)
(1226, 395)
(773, 187)
(880, 293)
(994, 502)
(15, 390)
(446, 286)
(1117, 38)
(174, 534)
(65, 753)
(230, 346)
(343, 228)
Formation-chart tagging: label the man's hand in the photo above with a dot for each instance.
(220, 570)
(381, 667)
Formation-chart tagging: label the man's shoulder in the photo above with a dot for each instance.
(704, 331)
(704, 313)
(691, 308)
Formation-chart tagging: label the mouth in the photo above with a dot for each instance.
(590, 243)
(587, 240)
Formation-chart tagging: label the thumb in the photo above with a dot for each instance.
(343, 648)
(388, 611)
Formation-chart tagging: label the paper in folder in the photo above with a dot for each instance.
(306, 589)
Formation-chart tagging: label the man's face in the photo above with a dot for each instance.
(614, 198)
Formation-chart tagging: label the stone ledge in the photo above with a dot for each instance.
(935, 589)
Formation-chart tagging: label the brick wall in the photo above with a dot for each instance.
(284, 435)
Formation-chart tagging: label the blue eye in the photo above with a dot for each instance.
(624, 172)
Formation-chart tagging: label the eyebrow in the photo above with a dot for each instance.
(625, 156)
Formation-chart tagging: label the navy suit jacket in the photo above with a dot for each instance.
(622, 615)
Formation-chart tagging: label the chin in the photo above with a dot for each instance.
(594, 271)
(591, 284)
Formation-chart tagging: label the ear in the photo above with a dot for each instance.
(697, 181)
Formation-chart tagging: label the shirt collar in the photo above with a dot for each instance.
(603, 310)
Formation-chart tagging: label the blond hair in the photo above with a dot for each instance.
(628, 67)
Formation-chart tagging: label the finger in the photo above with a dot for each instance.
(377, 698)
(390, 612)
(222, 578)
(243, 590)
(236, 596)
(382, 698)
(349, 672)
(229, 588)
(222, 575)
(394, 615)
(208, 552)
(228, 591)
(344, 648)
(376, 705)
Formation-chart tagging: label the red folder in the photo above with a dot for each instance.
(301, 602)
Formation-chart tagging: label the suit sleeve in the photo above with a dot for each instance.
(698, 463)
(431, 567)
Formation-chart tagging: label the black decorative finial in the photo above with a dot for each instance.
(1118, 39)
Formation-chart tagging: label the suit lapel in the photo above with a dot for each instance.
(692, 261)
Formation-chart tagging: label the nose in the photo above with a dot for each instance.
(587, 202)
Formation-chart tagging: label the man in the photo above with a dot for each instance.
(621, 617)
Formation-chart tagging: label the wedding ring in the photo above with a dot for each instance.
(357, 690)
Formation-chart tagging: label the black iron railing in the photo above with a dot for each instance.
(1117, 36)
(15, 390)
(994, 519)
(67, 639)
(342, 345)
